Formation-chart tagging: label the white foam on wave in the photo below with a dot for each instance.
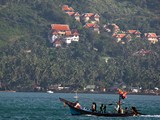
(155, 116)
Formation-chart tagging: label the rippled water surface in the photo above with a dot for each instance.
(45, 106)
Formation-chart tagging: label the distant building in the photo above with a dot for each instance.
(92, 17)
(152, 37)
(136, 89)
(90, 88)
(93, 27)
(57, 43)
(60, 29)
(134, 33)
(76, 15)
(62, 33)
(66, 8)
(119, 37)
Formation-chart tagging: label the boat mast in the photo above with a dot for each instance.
(76, 96)
(119, 103)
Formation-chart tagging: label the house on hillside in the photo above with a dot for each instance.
(61, 29)
(142, 52)
(134, 33)
(120, 36)
(57, 43)
(116, 28)
(112, 28)
(76, 15)
(63, 33)
(73, 36)
(66, 8)
(152, 37)
(93, 27)
(90, 17)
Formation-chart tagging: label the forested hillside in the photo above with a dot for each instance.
(27, 59)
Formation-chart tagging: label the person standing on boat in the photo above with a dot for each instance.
(122, 95)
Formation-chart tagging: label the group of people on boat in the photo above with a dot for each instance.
(102, 108)
(118, 108)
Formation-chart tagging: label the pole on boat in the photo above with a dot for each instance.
(76, 96)
(119, 104)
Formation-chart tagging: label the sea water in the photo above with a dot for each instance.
(45, 106)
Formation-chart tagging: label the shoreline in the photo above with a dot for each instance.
(129, 93)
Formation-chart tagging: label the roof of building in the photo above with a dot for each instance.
(61, 27)
(68, 33)
(75, 32)
(88, 14)
(120, 35)
(134, 32)
(67, 8)
(89, 25)
(150, 35)
(131, 31)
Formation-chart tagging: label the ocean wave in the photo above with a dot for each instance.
(155, 116)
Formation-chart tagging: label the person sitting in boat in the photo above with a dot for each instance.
(104, 108)
(77, 105)
(101, 108)
(94, 107)
(126, 110)
(134, 111)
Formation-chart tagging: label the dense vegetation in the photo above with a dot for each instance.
(27, 58)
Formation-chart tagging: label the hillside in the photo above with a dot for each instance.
(28, 60)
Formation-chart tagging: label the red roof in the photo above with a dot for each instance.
(61, 27)
(88, 14)
(134, 32)
(68, 33)
(88, 25)
(66, 8)
(131, 31)
(75, 32)
(120, 35)
(150, 35)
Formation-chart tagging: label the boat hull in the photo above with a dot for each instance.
(76, 111)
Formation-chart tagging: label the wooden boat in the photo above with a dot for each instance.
(84, 111)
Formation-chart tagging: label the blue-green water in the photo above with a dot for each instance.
(44, 106)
